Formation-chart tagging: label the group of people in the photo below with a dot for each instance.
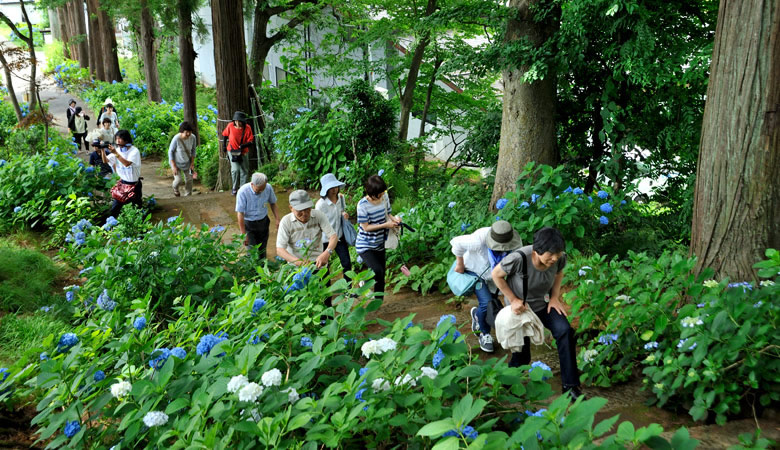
(529, 277)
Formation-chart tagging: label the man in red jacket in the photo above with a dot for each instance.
(238, 137)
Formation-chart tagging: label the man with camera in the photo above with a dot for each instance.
(96, 160)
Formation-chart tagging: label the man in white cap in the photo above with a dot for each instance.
(299, 238)
(252, 213)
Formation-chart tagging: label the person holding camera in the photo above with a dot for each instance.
(477, 254)
(373, 215)
(237, 138)
(181, 156)
(96, 160)
(125, 159)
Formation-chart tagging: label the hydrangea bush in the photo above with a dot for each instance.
(708, 345)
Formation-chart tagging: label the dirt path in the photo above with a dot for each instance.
(218, 208)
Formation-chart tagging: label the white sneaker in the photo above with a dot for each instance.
(486, 343)
(474, 321)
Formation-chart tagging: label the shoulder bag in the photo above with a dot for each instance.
(392, 236)
(122, 192)
(350, 235)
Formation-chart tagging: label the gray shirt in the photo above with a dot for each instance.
(253, 205)
(180, 148)
(539, 282)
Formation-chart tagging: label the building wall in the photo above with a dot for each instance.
(13, 10)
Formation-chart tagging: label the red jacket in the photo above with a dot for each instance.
(238, 136)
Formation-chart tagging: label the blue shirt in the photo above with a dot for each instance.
(372, 214)
(253, 205)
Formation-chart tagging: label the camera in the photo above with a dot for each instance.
(101, 144)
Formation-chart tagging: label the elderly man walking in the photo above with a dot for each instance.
(252, 213)
(299, 238)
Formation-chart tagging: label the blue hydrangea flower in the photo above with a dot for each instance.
(409, 325)
(17, 210)
(380, 173)
(651, 345)
(568, 189)
(534, 197)
(172, 219)
(608, 338)
(105, 302)
(603, 220)
(744, 285)
(578, 191)
(437, 358)
(85, 270)
(3, 162)
(139, 323)
(43, 356)
(53, 163)
(501, 203)
(362, 371)
(111, 222)
(67, 341)
(464, 226)
(602, 195)
(179, 352)
(683, 343)
(525, 205)
(217, 229)
(306, 342)
(606, 208)
(208, 342)
(590, 199)
(467, 431)
(89, 169)
(455, 336)
(71, 428)
(451, 204)
(257, 305)
(540, 365)
(45, 309)
(99, 376)
(622, 202)
(445, 318)
(160, 356)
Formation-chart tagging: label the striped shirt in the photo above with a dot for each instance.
(372, 214)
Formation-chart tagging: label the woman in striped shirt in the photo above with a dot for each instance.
(373, 215)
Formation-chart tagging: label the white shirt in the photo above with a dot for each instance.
(301, 239)
(333, 212)
(474, 250)
(129, 173)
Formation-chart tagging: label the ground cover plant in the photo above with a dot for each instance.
(253, 365)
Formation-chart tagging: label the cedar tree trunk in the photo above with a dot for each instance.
(187, 62)
(95, 42)
(109, 57)
(81, 33)
(149, 54)
(736, 210)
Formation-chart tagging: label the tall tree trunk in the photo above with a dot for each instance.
(527, 123)
(10, 86)
(230, 64)
(30, 41)
(95, 41)
(187, 61)
(419, 153)
(149, 53)
(71, 26)
(109, 57)
(736, 208)
(54, 24)
(261, 45)
(81, 33)
(407, 96)
(62, 23)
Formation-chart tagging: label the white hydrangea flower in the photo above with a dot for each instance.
(272, 378)
(690, 322)
(767, 283)
(429, 372)
(407, 379)
(589, 355)
(121, 389)
(624, 298)
(236, 383)
(710, 283)
(373, 347)
(292, 395)
(380, 384)
(250, 392)
(155, 419)
(589, 281)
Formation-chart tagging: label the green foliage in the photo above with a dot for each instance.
(27, 279)
(481, 146)
(65, 211)
(30, 184)
(69, 75)
(7, 122)
(54, 55)
(715, 355)
(22, 333)
(371, 118)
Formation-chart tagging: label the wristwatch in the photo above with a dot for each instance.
(330, 251)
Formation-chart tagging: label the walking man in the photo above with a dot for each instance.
(252, 213)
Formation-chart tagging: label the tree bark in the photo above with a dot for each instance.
(230, 64)
(62, 23)
(10, 86)
(736, 208)
(419, 153)
(149, 53)
(527, 123)
(187, 61)
(109, 57)
(81, 33)
(29, 41)
(96, 51)
(54, 23)
(70, 25)
(407, 96)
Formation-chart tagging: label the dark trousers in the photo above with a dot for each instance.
(563, 333)
(81, 137)
(376, 261)
(342, 250)
(257, 234)
(137, 200)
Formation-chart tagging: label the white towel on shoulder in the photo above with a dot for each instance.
(512, 328)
